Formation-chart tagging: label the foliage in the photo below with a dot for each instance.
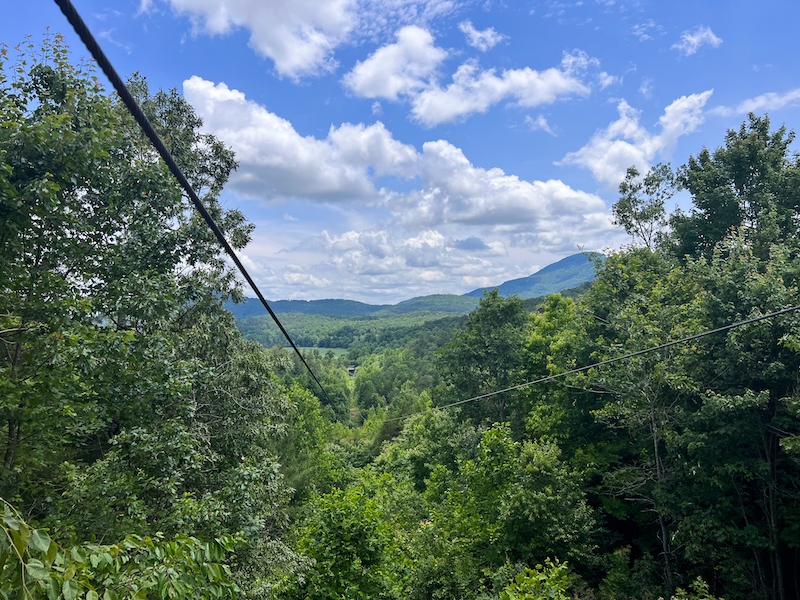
(640, 209)
(132, 409)
(752, 182)
(34, 566)
(130, 403)
(548, 581)
(353, 548)
(485, 356)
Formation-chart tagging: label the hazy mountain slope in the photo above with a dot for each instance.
(567, 273)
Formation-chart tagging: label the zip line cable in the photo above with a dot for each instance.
(602, 363)
(94, 49)
(133, 107)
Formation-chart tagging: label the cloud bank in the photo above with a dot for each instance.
(455, 217)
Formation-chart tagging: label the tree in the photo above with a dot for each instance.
(129, 402)
(640, 210)
(485, 356)
(354, 550)
(751, 182)
(99, 250)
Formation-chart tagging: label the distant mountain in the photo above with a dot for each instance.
(434, 303)
(252, 307)
(446, 303)
(567, 273)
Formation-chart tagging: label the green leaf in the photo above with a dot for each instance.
(70, 590)
(40, 540)
(52, 552)
(92, 595)
(36, 569)
(54, 590)
(21, 537)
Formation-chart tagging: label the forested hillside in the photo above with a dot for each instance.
(565, 274)
(150, 450)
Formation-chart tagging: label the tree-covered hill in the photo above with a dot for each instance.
(445, 303)
(566, 273)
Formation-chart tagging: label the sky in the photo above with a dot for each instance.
(390, 149)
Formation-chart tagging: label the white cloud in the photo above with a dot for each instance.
(305, 279)
(644, 31)
(277, 164)
(456, 193)
(482, 40)
(400, 68)
(539, 123)
(474, 90)
(605, 80)
(421, 263)
(300, 36)
(760, 104)
(626, 142)
(692, 40)
(407, 69)
(646, 88)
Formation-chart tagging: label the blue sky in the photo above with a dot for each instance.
(395, 148)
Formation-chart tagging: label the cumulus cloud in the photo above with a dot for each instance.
(276, 164)
(407, 69)
(388, 258)
(475, 90)
(760, 104)
(626, 142)
(693, 39)
(456, 193)
(300, 36)
(482, 40)
(400, 68)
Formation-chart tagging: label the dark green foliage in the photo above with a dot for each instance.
(752, 182)
(486, 355)
(129, 402)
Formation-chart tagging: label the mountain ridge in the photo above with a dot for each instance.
(564, 274)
